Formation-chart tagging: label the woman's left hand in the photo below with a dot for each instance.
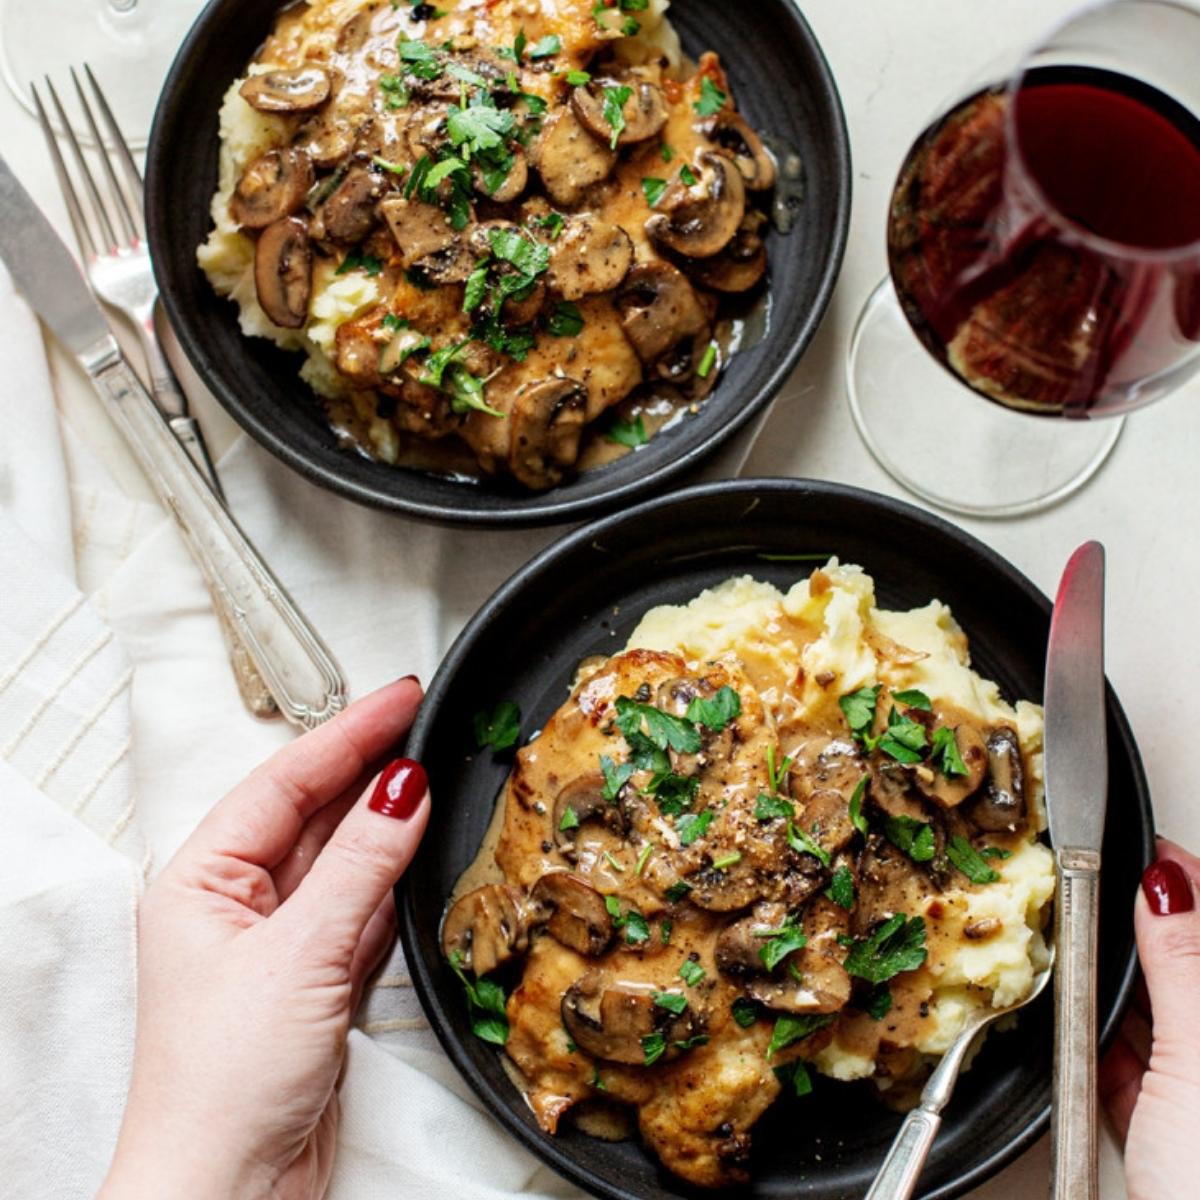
(255, 943)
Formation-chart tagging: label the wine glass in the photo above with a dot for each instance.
(1044, 248)
(129, 44)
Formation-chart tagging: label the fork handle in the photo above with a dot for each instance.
(296, 665)
(897, 1178)
(1074, 1146)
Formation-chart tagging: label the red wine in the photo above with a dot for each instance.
(1044, 279)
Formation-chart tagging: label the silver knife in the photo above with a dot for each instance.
(1076, 766)
(297, 666)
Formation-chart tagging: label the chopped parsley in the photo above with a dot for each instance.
(677, 891)
(779, 943)
(878, 1002)
(476, 287)
(995, 852)
(664, 931)
(566, 320)
(653, 189)
(968, 860)
(795, 1073)
(767, 808)
(789, 1030)
(777, 776)
(727, 860)
(615, 777)
(914, 698)
(945, 753)
(691, 972)
(712, 99)
(570, 820)
(859, 708)
(674, 794)
(898, 944)
(914, 837)
(478, 127)
(803, 843)
(688, 176)
(360, 262)
(551, 221)
(904, 739)
(643, 858)
(518, 49)
(745, 1011)
(841, 888)
(673, 1002)
(546, 47)
(395, 91)
(615, 99)
(612, 861)
(691, 826)
(628, 433)
(707, 360)
(654, 1046)
(856, 799)
(662, 729)
(485, 1004)
(632, 921)
(716, 713)
(666, 152)
(499, 728)
(419, 59)
(578, 78)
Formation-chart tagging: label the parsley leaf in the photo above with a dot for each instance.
(767, 808)
(688, 176)
(913, 698)
(663, 729)
(546, 47)
(727, 860)
(636, 928)
(566, 320)
(745, 1011)
(803, 843)
(677, 891)
(841, 887)
(664, 931)
(643, 858)
(476, 287)
(499, 728)
(965, 857)
(478, 127)
(654, 1046)
(904, 739)
(717, 712)
(712, 99)
(878, 1002)
(995, 852)
(779, 943)
(615, 777)
(777, 776)
(915, 838)
(485, 1003)
(789, 1030)
(896, 945)
(653, 189)
(466, 392)
(553, 222)
(945, 753)
(691, 972)
(666, 152)
(578, 78)
(419, 59)
(570, 820)
(674, 794)
(795, 1073)
(360, 262)
(628, 433)
(673, 1002)
(615, 99)
(693, 825)
(859, 708)
(856, 814)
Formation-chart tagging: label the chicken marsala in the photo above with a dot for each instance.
(488, 224)
(770, 837)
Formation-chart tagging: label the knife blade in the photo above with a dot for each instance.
(1076, 774)
(299, 670)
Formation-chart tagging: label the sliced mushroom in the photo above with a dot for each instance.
(823, 985)
(951, 790)
(546, 422)
(287, 90)
(584, 797)
(741, 264)
(447, 87)
(645, 111)
(426, 239)
(889, 882)
(349, 214)
(330, 135)
(738, 947)
(508, 188)
(1001, 805)
(659, 310)
(486, 928)
(701, 221)
(401, 346)
(568, 158)
(891, 788)
(274, 185)
(589, 256)
(573, 911)
(283, 272)
(731, 133)
(609, 1019)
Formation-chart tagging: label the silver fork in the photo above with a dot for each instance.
(116, 259)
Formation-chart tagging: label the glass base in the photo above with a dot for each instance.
(949, 446)
(129, 44)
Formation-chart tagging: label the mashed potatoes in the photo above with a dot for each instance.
(824, 639)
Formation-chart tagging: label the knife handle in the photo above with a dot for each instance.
(1075, 1163)
(296, 665)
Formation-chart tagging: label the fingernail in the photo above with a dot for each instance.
(409, 679)
(1168, 889)
(399, 790)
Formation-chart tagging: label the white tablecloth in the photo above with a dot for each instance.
(389, 595)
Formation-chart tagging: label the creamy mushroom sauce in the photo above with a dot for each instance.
(535, 904)
(540, 254)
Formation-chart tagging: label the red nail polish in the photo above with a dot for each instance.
(400, 789)
(1167, 888)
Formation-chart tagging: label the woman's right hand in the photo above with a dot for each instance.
(1150, 1079)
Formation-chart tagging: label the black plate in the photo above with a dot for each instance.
(782, 84)
(584, 596)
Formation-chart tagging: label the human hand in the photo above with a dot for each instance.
(1149, 1080)
(254, 944)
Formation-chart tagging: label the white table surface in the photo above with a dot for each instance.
(894, 62)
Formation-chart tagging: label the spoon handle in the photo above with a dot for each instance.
(897, 1178)
(1074, 1145)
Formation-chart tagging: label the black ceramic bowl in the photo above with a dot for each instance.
(782, 84)
(583, 596)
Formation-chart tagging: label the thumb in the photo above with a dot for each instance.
(1168, 937)
(361, 862)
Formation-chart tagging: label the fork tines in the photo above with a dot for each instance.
(117, 225)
